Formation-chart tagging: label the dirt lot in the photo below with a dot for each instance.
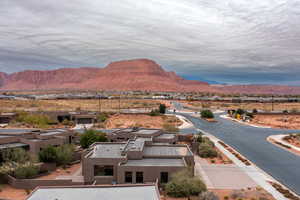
(10, 193)
(72, 105)
(278, 121)
(245, 106)
(139, 120)
(246, 194)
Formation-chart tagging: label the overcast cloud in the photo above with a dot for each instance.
(230, 41)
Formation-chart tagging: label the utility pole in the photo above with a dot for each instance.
(272, 102)
(120, 103)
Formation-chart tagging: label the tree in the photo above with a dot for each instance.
(207, 114)
(91, 136)
(48, 154)
(184, 184)
(27, 170)
(162, 108)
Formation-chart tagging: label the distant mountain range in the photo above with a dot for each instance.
(139, 74)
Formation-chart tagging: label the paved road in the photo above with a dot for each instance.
(251, 142)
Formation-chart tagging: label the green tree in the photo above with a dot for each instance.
(162, 108)
(207, 114)
(48, 154)
(91, 136)
(184, 184)
(27, 170)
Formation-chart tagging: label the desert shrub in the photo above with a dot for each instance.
(285, 111)
(48, 154)
(91, 136)
(25, 171)
(240, 111)
(207, 114)
(17, 155)
(154, 113)
(250, 115)
(36, 120)
(170, 127)
(162, 108)
(102, 117)
(64, 154)
(199, 137)
(67, 122)
(254, 111)
(208, 196)
(184, 184)
(207, 151)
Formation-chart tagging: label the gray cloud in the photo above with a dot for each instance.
(227, 40)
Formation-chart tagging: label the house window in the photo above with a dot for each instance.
(164, 177)
(103, 170)
(139, 177)
(128, 177)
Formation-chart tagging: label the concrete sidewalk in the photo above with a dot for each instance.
(222, 176)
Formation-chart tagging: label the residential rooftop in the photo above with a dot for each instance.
(108, 150)
(160, 150)
(175, 162)
(116, 192)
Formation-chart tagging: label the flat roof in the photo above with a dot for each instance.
(107, 150)
(166, 136)
(148, 192)
(12, 145)
(175, 162)
(146, 131)
(161, 150)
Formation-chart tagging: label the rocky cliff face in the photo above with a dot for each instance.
(3, 78)
(139, 74)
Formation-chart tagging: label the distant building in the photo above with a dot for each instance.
(138, 160)
(35, 140)
(111, 192)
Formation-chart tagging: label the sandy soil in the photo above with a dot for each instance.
(278, 121)
(295, 141)
(288, 149)
(62, 172)
(10, 193)
(246, 106)
(246, 194)
(72, 105)
(146, 121)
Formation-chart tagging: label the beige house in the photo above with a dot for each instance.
(139, 160)
(35, 140)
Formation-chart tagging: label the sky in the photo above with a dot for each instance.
(223, 41)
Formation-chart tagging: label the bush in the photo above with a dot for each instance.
(48, 154)
(162, 108)
(199, 137)
(184, 184)
(64, 154)
(17, 155)
(207, 151)
(36, 120)
(207, 114)
(102, 117)
(240, 111)
(61, 155)
(208, 196)
(91, 136)
(254, 111)
(67, 122)
(26, 171)
(154, 113)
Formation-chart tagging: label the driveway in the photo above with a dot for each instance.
(251, 142)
